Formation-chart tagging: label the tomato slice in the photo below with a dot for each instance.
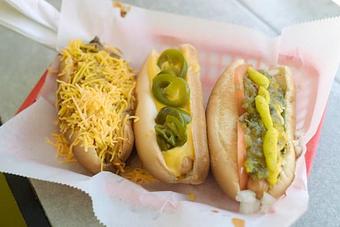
(240, 71)
(241, 157)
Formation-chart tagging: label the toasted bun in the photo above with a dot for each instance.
(147, 147)
(222, 118)
(89, 159)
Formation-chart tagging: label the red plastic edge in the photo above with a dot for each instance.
(30, 99)
(311, 145)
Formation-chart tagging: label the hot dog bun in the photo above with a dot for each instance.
(222, 118)
(194, 171)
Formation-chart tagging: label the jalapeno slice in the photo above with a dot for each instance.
(167, 71)
(170, 90)
(172, 59)
(181, 115)
(170, 134)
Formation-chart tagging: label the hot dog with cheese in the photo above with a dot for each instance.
(95, 103)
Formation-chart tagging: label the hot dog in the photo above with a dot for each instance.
(170, 132)
(251, 129)
(95, 103)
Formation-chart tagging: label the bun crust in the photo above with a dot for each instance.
(222, 117)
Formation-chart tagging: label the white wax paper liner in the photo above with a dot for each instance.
(311, 49)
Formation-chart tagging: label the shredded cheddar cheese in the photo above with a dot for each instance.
(61, 144)
(191, 196)
(94, 96)
(138, 175)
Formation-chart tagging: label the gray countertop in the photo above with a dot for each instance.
(23, 61)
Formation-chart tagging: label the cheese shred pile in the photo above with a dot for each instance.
(138, 175)
(94, 101)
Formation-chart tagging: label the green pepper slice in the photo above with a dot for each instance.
(181, 115)
(170, 90)
(167, 71)
(172, 59)
(170, 134)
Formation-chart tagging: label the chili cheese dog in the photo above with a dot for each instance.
(251, 128)
(170, 132)
(95, 102)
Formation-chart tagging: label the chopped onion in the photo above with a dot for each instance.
(248, 202)
(266, 202)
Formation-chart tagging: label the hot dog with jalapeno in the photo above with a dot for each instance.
(251, 128)
(170, 131)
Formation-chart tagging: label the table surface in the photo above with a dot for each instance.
(23, 61)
